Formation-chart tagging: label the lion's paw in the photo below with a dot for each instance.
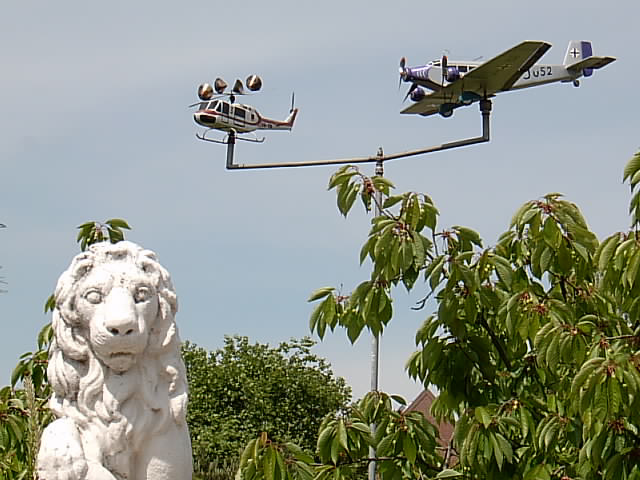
(61, 456)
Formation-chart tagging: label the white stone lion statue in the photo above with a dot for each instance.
(119, 383)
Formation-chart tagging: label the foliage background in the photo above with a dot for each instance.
(243, 389)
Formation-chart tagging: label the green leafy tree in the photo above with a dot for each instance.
(533, 344)
(242, 389)
(24, 412)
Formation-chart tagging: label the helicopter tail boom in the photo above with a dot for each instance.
(270, 124)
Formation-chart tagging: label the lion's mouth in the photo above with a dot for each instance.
(119, 355)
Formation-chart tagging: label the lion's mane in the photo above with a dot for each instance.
(77, 375)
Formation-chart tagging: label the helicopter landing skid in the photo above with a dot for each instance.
(228, 139)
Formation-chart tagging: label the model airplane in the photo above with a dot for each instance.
(455, 84)
(217, 113)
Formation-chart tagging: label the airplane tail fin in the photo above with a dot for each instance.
(577, 51)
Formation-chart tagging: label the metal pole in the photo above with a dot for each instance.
(375, 341)
(485, 109)
(231, 142)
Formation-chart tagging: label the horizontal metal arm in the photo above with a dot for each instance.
(485, 109)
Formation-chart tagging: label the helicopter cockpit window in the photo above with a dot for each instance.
(225, 108)
(203, 105)
(240, 112)
(213, 105)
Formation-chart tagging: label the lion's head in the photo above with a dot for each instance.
(114, 317)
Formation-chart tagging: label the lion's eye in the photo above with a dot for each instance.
(142, 294)
(93, 296)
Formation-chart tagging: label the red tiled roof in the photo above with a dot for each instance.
(422, 403)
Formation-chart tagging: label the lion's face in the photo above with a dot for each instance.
(117, 304)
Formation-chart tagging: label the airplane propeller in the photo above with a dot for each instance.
(403, 72)
(444, 63)
(403, 76)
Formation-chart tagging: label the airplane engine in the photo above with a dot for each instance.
(205, 91)
(452, 74)
(417, 94)
(254, 83)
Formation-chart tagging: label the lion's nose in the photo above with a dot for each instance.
(120, 317)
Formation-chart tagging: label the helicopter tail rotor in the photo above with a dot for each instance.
(293, 98)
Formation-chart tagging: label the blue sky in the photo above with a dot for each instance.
(94, 124)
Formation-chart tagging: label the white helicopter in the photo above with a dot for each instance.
(218, 113)
(455, 84)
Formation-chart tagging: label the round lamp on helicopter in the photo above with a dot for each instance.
(205, 91)
(254, 83)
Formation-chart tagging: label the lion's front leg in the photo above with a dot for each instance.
(166, 456)
(61, 456)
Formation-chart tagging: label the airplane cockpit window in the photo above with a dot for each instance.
(462, 68)
(472, 67)
(436, 63)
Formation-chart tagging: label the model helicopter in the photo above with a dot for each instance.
(456, 84)
(221, 112)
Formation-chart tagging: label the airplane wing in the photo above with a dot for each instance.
(590, 62)
(495, 75)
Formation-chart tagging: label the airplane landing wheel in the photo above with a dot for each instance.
(446, 113)
(576, 83)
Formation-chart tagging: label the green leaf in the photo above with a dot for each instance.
(448, 473)
(551, 233)
(341, 176)
(384, 447)
(118, 223)
(470, 235)
(342, 435)
(606, 251)
(320, 293)
(483, 416)
(269, 465)
(497, 451)
(399, 399)
(391, 201)
(409, 448)
(503, 269)
(631, 167)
